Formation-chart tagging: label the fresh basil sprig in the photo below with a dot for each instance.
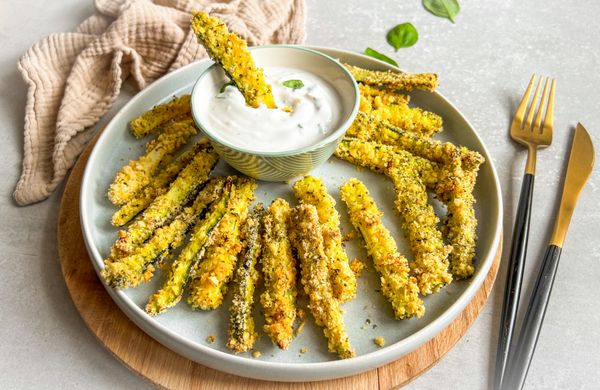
(227, 84)
(375, 54)
(293, 84)
(403, 35)
(443, 8)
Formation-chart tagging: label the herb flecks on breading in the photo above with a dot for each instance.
(231, 52)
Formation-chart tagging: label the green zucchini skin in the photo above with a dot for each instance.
(242, 332)
(172, 290)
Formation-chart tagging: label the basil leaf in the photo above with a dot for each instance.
(293, 84)
(375, 54)
(442, 8)
(225, 86)
(403, 35)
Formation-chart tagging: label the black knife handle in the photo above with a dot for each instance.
(532, 323)
(514, 277)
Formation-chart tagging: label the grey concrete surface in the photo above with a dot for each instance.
(484, 62)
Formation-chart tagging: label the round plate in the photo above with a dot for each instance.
(367, 316)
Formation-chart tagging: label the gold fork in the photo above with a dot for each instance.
(533, 133)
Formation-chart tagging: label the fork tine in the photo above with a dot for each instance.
(549, 118)
(534, 104)
(523, 105)
(537, 125)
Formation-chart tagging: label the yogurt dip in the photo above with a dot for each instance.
(303, 117)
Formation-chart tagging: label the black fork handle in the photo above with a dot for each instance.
(514, 278)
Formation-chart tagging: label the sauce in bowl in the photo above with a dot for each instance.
(308, 110)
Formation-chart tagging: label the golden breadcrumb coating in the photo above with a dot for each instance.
(138, 173)
(311, 190)
(231, 52)
(395, 80)
(452, 179)
(211, 275)
(159, 184)
(179, 271)
(397, 285)
(153, 120)
(306, 236)
(167, 205)
(394, 108)
(129, 270)
(279, 270)
(419, 221)
(242, 333)
(378, 97)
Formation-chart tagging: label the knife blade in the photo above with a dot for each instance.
(581, 162)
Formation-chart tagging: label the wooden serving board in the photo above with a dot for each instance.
(164, 368)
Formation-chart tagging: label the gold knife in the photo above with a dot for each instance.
(581, 162)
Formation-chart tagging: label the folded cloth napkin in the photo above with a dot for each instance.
(74, 78)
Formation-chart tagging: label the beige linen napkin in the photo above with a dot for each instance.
(74, 78)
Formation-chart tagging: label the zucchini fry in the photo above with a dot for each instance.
(138, 173)
(419, 221)
(167, 205)
(130, 270)
(306, 236)
(310, 190)
(179, 273)
(397, 285)
(211, 275)
(231, 52)
(394, 108)
(378, 97)
(242, 333)
(158, 185)
(153, 120)
(369, 128)
(279, 269)
(395, 80)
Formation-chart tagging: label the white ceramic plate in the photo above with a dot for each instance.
(367, 316)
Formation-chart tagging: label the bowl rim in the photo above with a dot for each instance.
(333, 137)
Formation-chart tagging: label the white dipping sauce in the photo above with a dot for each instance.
(315, 112)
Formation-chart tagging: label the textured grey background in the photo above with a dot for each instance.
(484, 62)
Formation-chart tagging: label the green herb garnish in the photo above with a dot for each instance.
(403, 35)
(225, 86)
(375, 54)
(293, 84)
(442, 8)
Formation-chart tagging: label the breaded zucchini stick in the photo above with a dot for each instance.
(279, 269)
(242, 333)
(378, 97)
(153, 120)
(397, 285)
(310, 190)
(394, 108)
(138, 173)
(211, 275)
(158, 185)
(370, 128)
(130, 270)
(419, 221)
(231, 52)
(306, 236)
(167, 205)
(179, 272)
(395, 80)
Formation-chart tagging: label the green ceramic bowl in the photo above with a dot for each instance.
(282, 166)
